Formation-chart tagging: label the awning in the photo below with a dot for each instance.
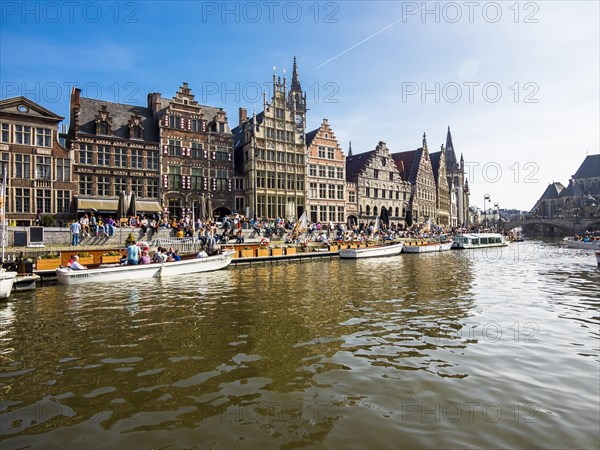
(85, 204)
(147, 206)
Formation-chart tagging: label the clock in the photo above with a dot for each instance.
(298, 119)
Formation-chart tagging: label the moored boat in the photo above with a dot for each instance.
(372, 251)
(583, 244)
(7, 279)
(144, 271)
(478, 240)
(426, 246)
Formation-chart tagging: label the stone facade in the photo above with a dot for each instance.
(115, 147)
(442, 190)
(38, 168)
(326, 200)
(378, 185)
(196, 156)
(458, 184)
(270, 154)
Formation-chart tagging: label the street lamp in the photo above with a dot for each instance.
(486, 197)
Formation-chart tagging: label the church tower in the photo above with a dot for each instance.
(297, 98)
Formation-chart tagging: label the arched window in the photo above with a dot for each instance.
(368, 211)
(397, 211)
(374, 210)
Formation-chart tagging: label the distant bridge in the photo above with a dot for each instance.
(555, 226)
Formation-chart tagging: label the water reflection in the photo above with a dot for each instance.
(291, 355)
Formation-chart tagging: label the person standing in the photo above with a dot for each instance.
(75, 228)
(133, 254)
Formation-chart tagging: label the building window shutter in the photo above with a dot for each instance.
(165, 181)
(166, 121)
(165, 149)
(189, 124)
(229, 185)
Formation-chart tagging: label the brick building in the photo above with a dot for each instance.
(39, 169)
(326, 199)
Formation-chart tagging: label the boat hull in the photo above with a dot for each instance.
(428, 247)
(591, 245)
(7, 279)
(143, 271)
(371, 252)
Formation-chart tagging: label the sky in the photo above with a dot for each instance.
(516, 82)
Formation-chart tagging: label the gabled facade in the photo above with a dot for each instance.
(416, 169)
(196, 147)
(39, 169)
(270, 154)
(442, 190)
(326, 200)
(459, 187)
(116, 149)
(378, 185)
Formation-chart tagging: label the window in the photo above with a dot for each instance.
(375, 192)
(43, 137)
(103, 155)
(22, 135)
(103, 128)
(196, 150)
(323, 213)
(120, 185)
(85, 153)
(321, 151)
(367, 192)
(5, 133)
(340, 192)
(331, 172)
(341, 214)
(85, 184)
(330, 153)
(300, 159)
(137, 160)
(63, 200)
(391, 176)
(43, 200)
(221, 127)
(120, 157)
(103, 185)
(174, 121)
(383, 161)
(312, 190)
(300, 182)
(137, 186)
(22, 200)
(239, 204)
(222, 154)
(340, 173)
(279, 113)
(270, 155)
(322, 190)
(4, 164)
(291, 181)
(332, 213)
(331, 190)
(174, 147)
(43, 167)
(280, 180)
(222, 180)
(174, 177)
(239, 184)
(197, 125)
(63, 169)
(260, 179)
(375, 173)
(152, 188)
(351, 197)
(391, 194)
(290, 158)
(280, 157)
(271, 180)
(152, 160)
(197, 173)
(312, 170)
(322, 171)
(260, 205)
(136, 132)
(22, 166)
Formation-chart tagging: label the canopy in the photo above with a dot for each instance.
(112, 205)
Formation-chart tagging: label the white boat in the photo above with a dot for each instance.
(478, 240)
(69, 276)
(26, 282)
(372, 251)
(592, 244)
(7, 280)
(426, 246)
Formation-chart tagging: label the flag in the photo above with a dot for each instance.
(376, 227)
(303, 222)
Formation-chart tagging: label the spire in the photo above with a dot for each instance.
(350, 149)
(424, 141)
(295, 80)
(451, 163)
(449, 145)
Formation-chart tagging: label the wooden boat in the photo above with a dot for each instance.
(426, 246)
(7, 279)
(372, 251)
(478, 240)
(592, 244)
(144, 271)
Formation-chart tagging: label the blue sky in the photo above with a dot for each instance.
(517, 82)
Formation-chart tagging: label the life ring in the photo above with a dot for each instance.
(264, 242)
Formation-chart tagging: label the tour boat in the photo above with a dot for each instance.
(571, 242)
(478, 240)
(69, 276)
(426, 246)
(7, 280)
(372, 251)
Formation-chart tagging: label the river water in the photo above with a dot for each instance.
(494, 348)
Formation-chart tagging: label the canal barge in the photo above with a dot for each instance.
(478, 240)
(372, 251)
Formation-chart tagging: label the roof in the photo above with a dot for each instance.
(408, 163)
(451, 161)
(120, 114)
(552, 191)
(568, 191)
(310, 136)
(355, 164)
(590, 168)
(435, 163)
(33, 109)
